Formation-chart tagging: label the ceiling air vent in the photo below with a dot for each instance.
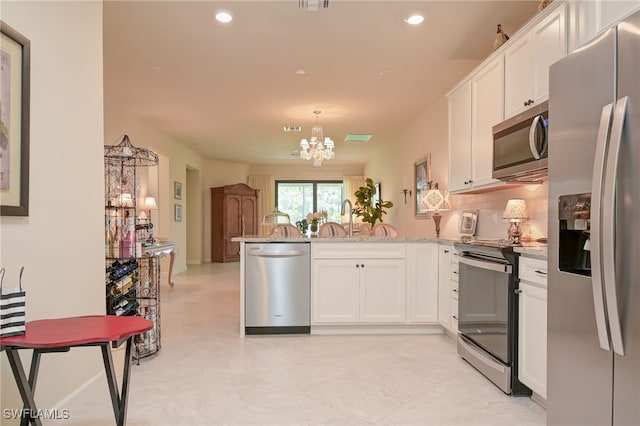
(313, 5)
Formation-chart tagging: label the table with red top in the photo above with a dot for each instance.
(62, 334)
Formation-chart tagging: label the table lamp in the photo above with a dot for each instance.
(437, 200)
(515, 212)
(150, 204)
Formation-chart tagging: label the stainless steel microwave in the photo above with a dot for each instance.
(520, 146)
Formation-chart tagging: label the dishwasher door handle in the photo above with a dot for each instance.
(483, 264)
(276, 253)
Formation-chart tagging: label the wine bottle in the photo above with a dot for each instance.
(128, 245)
(108, 237)
(117, 238)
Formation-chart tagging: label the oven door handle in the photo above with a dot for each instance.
(492, 266)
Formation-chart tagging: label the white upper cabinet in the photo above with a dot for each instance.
(585, 19)
(474, 108)
(487, 110)
(609, 12)
(460, 138)
(527, 60)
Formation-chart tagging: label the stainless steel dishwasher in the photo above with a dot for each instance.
(277, 288)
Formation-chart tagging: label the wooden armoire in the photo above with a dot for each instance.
(234, 213)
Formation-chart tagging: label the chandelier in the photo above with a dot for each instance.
(318, 148)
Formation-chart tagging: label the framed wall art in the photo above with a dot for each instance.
(468, 222)
(422, 177)
(15, 57)
(177, 212)
(177, 190)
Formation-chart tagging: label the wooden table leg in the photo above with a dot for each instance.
(172, 258)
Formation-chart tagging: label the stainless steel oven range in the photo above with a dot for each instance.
(488, 312)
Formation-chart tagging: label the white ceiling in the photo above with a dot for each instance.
(226, 90)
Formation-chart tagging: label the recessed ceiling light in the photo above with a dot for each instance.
(292, 128)
(414, 19)
(301, 71)
(224, 17)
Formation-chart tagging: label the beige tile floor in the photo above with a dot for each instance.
(206, 375)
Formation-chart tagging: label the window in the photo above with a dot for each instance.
(298, 198)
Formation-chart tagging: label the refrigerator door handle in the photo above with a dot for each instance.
(608, 230)
(596, 211)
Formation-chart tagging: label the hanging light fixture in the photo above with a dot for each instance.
(318, 148)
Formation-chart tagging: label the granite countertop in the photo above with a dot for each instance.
(532, 249)
(258, 239)
(527, 249)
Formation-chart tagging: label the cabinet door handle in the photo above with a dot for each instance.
(357, 266)
(446, 251)
(455, 317)
(362, 265)
(454, 290)
(540, 272)
(517, 291)
(455, 272)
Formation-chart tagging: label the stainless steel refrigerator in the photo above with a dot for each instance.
(593, 375)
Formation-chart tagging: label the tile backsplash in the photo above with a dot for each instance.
(491, 207)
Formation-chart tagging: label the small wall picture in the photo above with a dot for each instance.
(177, 190)
(468, 222)
(422, 179)
(177, 212)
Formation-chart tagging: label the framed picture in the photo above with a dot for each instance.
(177, 190)
(468, 222)
(177, 212)
(15, 55)
(422, 177)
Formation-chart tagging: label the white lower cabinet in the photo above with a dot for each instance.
(532, 326)
(448, 288)
(336, 291)
(422, 282)
(358, 283)
(444, 286)
(382, 291)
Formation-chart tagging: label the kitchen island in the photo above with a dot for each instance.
(365, 284)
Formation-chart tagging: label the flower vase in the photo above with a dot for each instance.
(314, 230)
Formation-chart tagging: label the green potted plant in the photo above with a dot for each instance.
(366, 208)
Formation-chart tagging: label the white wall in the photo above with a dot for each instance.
(429, 134)
(61, 242)
(393, 166)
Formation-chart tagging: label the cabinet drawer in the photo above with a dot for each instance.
(348, 250)
(533, 270)
(454, 314)
(454, 289)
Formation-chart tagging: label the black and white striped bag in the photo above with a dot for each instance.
(12, 309)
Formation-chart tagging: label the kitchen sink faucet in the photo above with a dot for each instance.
(342, 211)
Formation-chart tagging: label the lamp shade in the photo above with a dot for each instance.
(150, 203)
(436, 200)
(126, 200)
(516, 210)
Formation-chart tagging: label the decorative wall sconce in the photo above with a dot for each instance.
(405, 192)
